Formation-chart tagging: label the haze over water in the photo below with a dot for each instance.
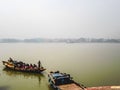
(92, 64)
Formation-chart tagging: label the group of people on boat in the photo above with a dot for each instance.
(25, 66)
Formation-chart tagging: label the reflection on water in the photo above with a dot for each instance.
(23, 81)
(13, 73)
(4, 88)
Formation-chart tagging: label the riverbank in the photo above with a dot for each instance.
(104, 88)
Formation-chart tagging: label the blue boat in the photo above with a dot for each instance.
(63, 81)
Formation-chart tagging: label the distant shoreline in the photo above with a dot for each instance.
(44, 40)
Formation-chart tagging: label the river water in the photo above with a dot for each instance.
(92, 64)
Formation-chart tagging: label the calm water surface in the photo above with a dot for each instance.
(89, 64)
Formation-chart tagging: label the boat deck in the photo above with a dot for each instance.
(72, 86)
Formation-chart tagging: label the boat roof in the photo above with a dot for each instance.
(59, 75)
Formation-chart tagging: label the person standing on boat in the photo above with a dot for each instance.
(10, 59)
(39, 64)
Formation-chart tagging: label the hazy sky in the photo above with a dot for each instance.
(60, 18)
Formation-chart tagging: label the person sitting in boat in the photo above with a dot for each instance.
(23, 66)
(35, 66)
(26, 66)
(31, 67)
(42, 67)
(19, 65)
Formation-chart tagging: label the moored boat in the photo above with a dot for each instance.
(63, 81)
(23, 67)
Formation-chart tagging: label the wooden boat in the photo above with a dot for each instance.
(23, 67)
(63, 81)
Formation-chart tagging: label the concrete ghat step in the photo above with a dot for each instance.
(104, 88)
